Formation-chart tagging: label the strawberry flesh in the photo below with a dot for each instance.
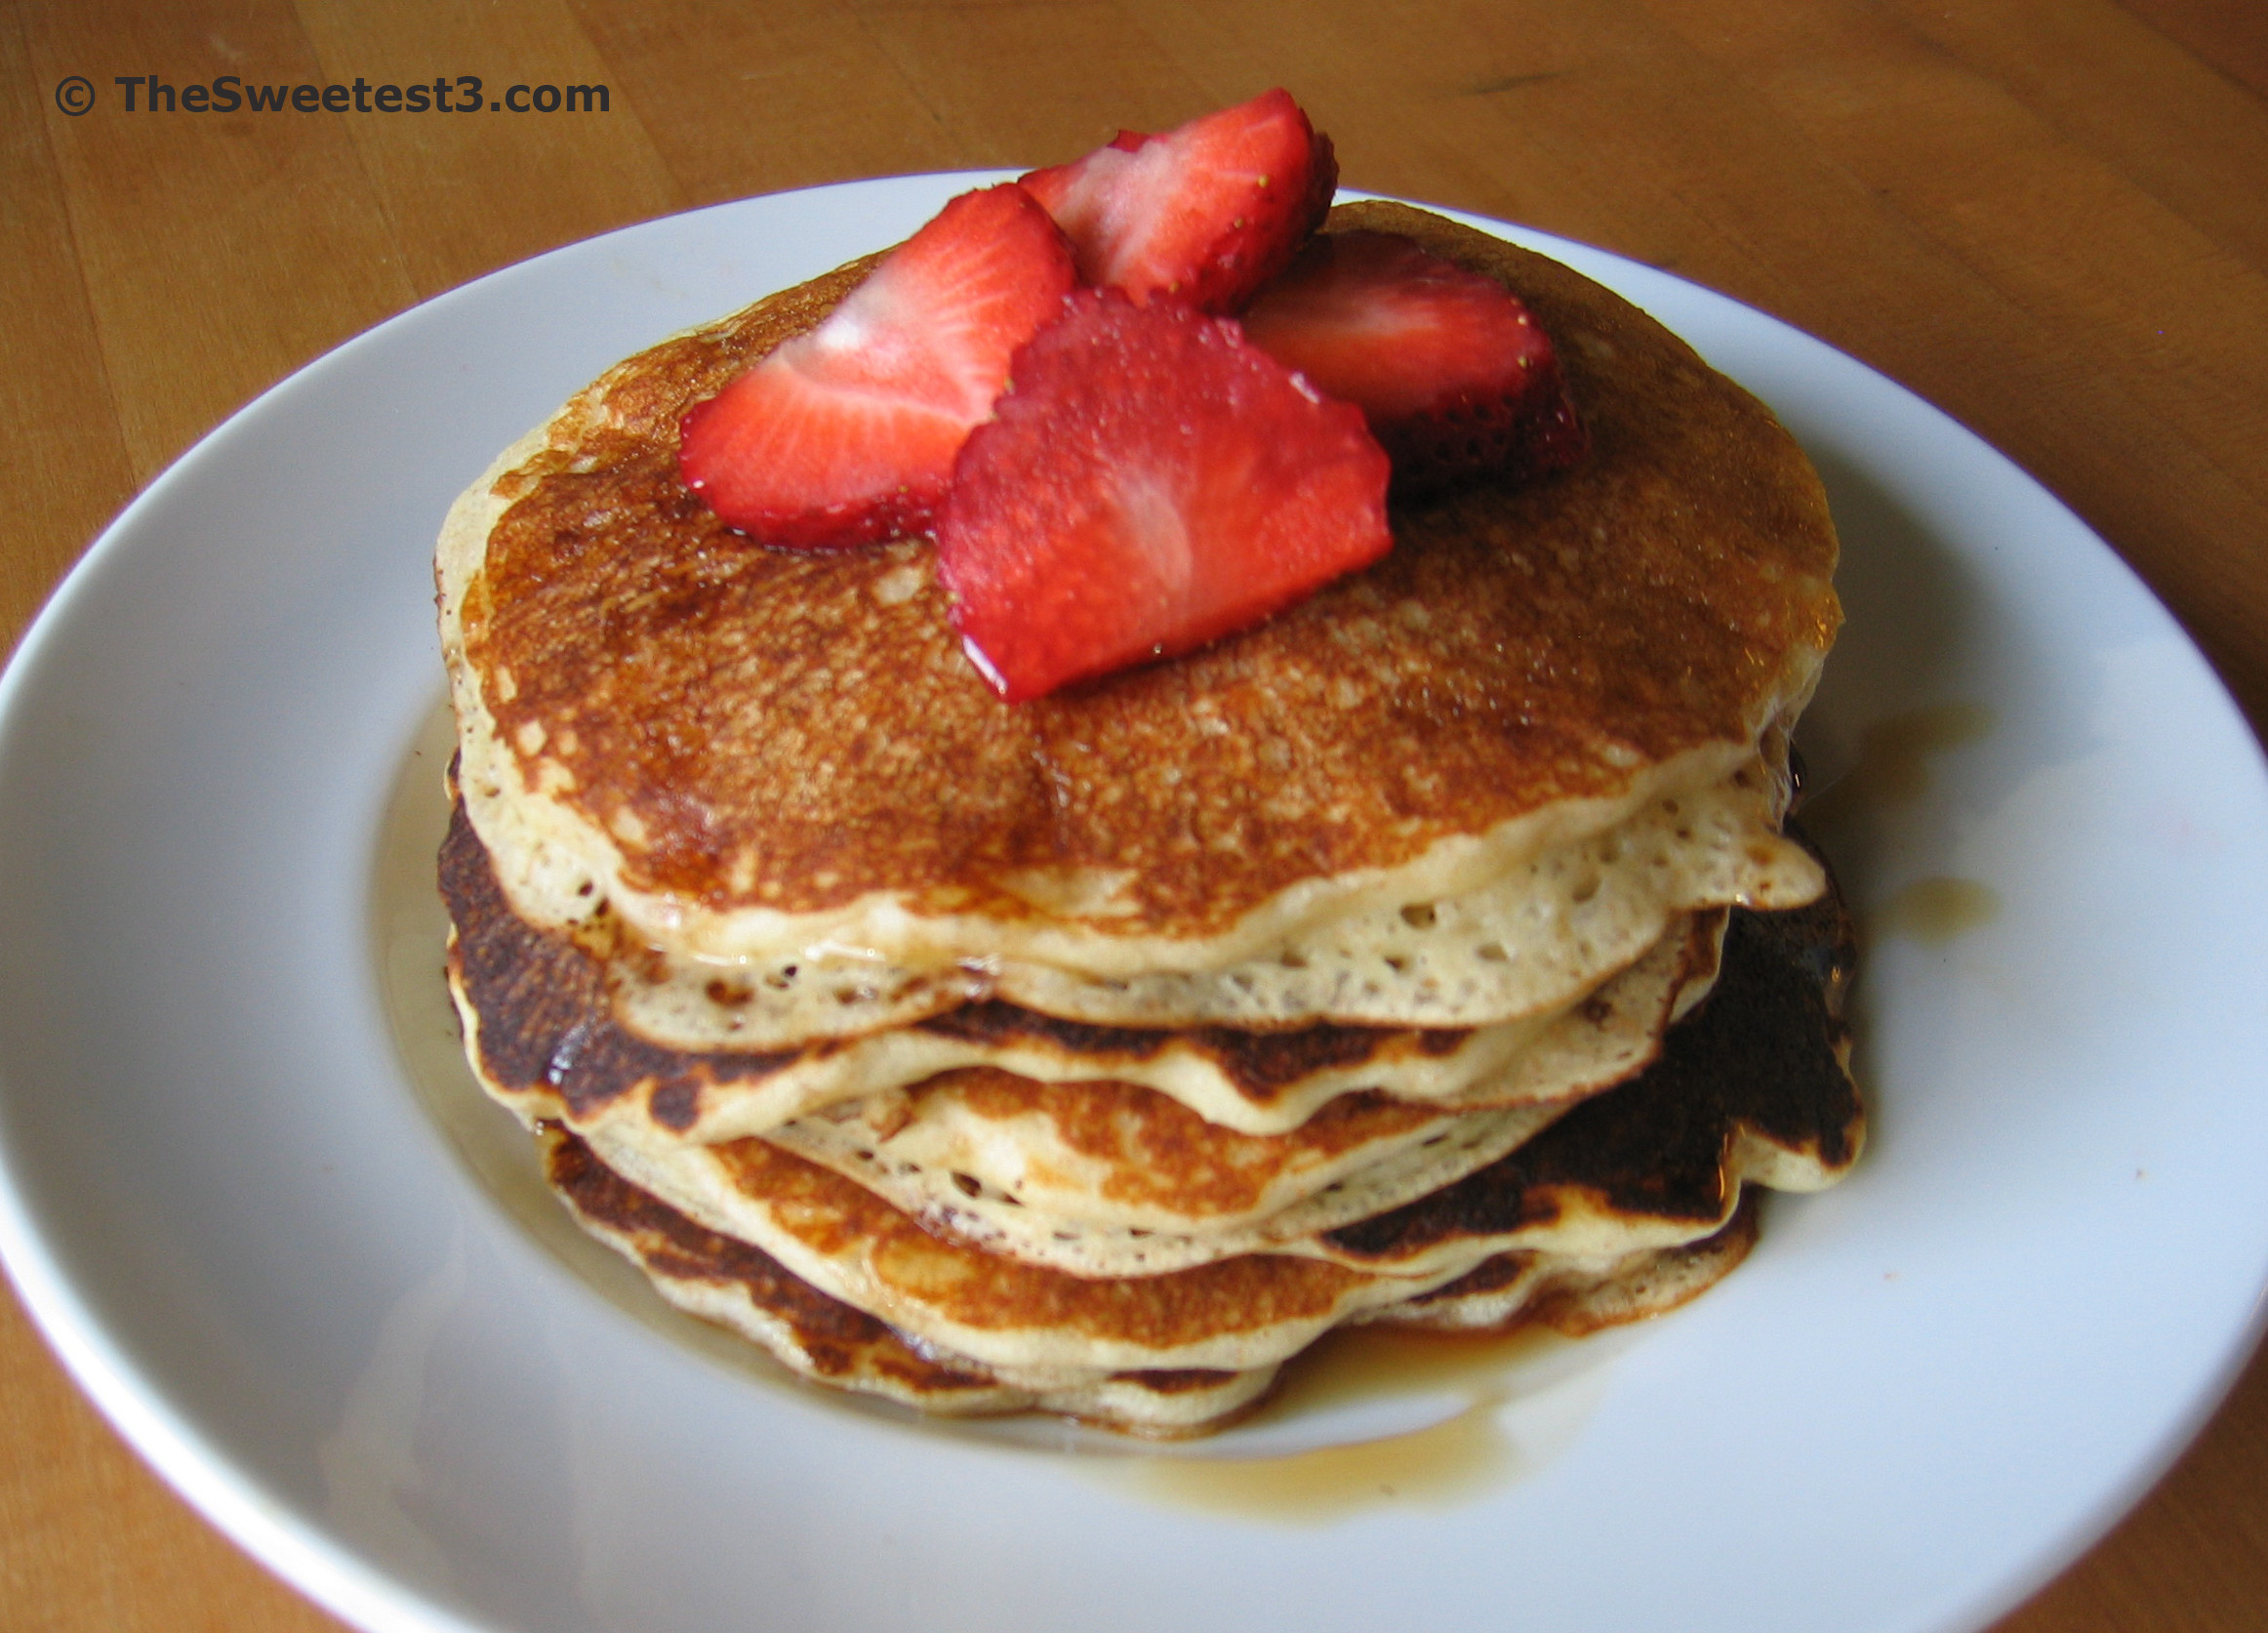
(847, 436)
(1149, 482)
(1205, 213)
(1453, 374)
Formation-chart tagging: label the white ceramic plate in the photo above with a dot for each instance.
(234, 1217)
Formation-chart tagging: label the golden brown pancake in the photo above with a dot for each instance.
(722, 1279)
(723, 741)
(1524, 946)
(822, 1338)
(1111, 1179)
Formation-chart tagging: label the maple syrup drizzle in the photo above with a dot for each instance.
(1935, 909)
(1892, 769)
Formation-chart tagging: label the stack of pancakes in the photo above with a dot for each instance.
(1430, 953)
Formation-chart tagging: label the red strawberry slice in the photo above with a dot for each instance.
(1452, 373)
(1206, 213)
(846, 434)
(1148, 482)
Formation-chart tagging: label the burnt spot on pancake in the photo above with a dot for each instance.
(541, 999)
(1572, 1309)
(837, 1341)
(1763, 1059)
(677, 1103)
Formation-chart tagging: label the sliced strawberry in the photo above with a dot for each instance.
(1452, 373)
(846, 434)
(1206, 213)
(1148, 482)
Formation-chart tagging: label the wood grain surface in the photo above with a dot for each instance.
(2049, 217)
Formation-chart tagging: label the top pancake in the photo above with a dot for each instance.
(746, 753)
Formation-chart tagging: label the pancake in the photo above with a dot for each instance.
(535, 996)
(741, 1287)
(827, 1341)
(1108, 1179)
(1229, 1315)
(1044, 1330)
(715, 745)
(1526, 946)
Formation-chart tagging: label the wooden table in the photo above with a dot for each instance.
(2049, 217)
